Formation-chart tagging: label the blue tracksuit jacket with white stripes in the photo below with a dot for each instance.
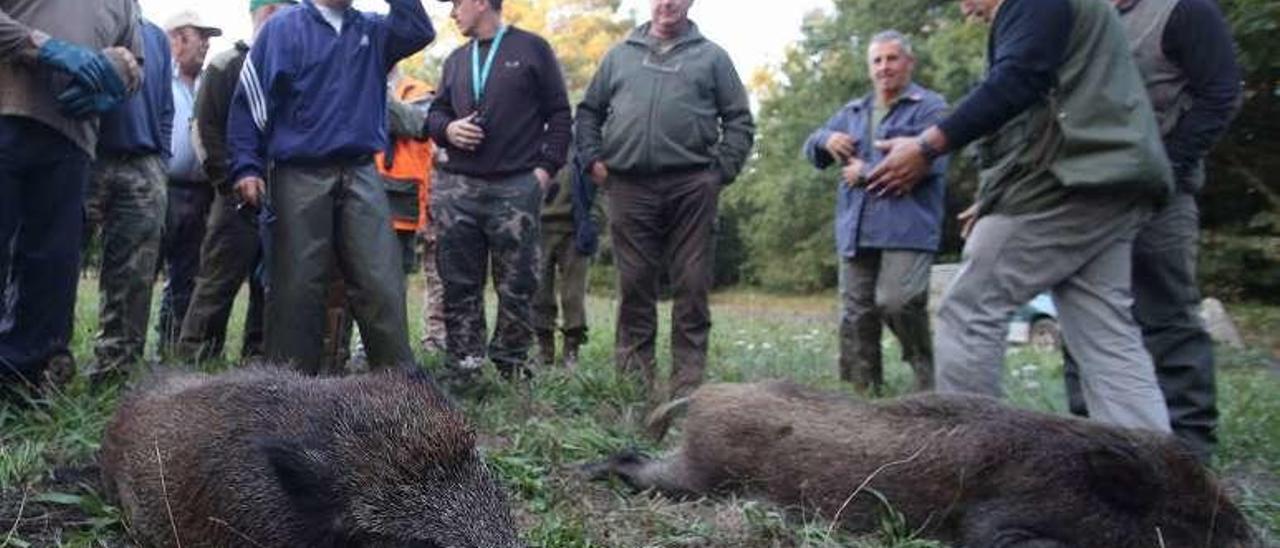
(309, 95)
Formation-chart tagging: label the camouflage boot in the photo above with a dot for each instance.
(547, 348)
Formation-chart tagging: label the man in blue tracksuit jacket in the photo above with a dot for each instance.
(311, 109)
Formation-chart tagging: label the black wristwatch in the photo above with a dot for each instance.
(930, 152)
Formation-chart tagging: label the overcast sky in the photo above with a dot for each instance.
(754, 32)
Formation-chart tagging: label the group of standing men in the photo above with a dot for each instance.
(663, 126)
(282, 152)
(1092, 124)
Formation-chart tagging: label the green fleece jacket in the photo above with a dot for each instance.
(648, 111)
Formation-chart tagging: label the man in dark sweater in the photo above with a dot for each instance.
(127, 202)
(502, 122)
(1184, 51)
(231, 250)
(1069, 168)
(664, 125)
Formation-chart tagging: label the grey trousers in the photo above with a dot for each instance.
(1166, 304)
(880, 287)
(323, 213)
(1082, 251)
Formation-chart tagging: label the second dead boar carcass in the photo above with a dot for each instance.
(270, 458)
(962, 469)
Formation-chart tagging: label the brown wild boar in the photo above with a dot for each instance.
(961, 469)
(270, 458)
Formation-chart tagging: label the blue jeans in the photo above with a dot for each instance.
(43, 179)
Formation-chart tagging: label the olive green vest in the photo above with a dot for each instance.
(1094, 130)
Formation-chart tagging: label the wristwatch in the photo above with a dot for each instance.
(930, 152)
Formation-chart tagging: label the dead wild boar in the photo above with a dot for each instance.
(270, 458)
(965, 470)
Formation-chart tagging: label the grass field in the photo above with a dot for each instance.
(535, 436)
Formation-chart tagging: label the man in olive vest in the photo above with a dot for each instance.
(1070, 167)
(1184, 51)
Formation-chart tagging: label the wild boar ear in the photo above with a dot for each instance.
(1119, 475)
(306, 478)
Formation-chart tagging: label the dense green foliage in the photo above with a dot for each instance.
(783, 208)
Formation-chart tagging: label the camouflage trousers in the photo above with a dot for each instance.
(127, 200)
(559, 256)
(481, 221)
(433, 323)
(880, 287)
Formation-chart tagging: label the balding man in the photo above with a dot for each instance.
(664, 126)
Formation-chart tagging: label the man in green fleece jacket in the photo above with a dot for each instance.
(664, 125)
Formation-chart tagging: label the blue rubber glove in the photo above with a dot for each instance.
(78, 102)
(87, 67)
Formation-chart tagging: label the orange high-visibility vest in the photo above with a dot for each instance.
(410, 167)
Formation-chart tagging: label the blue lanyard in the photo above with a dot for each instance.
(479, 75)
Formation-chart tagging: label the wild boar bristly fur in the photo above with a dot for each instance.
(268, 457)
(962, 469)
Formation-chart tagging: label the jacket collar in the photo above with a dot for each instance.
(640, 36)
(913, 94)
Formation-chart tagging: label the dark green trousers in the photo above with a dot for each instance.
(322, 214)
